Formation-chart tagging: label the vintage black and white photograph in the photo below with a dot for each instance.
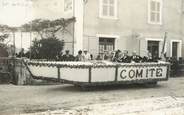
(91, 57)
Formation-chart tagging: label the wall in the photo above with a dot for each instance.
(67, 36)
(17, 74)
(3, 51)
(132, 18)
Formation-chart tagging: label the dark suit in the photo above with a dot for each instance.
(126, 59)
(136, 58)
(68, 58)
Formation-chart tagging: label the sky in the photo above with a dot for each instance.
(18, 12)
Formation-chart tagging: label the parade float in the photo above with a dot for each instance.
(99, 72)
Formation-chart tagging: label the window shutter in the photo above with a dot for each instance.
(152, 16)
(155, 11)
(105, 10)
(158, 17)
(158, 12)
(158, 7)
(111, 2)
(105, 2)
(152, 5)
(111, 11)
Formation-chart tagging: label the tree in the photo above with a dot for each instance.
(5, 32)
(47, 48)
(3, 37)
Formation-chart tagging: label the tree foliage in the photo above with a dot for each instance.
(3, 37)
(5, 32)
(47, 28)
(47, 48)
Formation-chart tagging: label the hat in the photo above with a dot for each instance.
(134, 52)
(66, 50)
(85, 50)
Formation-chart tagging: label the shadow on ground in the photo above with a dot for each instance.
(72, 88)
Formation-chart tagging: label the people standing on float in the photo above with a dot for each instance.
(99, 57)
(125, 58)
(116, 56)
(106, 55)
(120, 56)
(112, 56)
(148, 57)
(67, 56)
(61, 56)
(156, 57)
(135, 58)
(57, 57)
(79, 57)
(86, 55)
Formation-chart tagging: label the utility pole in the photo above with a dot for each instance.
(21, 62)
(73, 45)
(30, 41)
(21, 43)
(14, 48)
(163, 47)
(13, 59)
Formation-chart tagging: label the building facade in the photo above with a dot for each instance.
(107, 25)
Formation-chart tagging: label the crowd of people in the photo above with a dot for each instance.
(123, 57)
(114, 56)
(81, 56)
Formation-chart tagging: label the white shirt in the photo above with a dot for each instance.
(87, 56)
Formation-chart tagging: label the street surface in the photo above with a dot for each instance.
(31, 99)
(149, 106)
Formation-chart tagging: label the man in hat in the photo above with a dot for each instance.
(125, 58)
(116, 56)
(79, 57)
(135, 58)
(67, 56)
(86, 55)
(106, 55)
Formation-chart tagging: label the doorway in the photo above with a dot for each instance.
(175, 49)
(106, 45)
(153, 48)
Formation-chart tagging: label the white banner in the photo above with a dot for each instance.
(141, 73)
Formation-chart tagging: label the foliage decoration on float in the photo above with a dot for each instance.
(99, 64)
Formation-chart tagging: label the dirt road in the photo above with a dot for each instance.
(30, 99)
(147, 106)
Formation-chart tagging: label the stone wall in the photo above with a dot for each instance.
(14, 71)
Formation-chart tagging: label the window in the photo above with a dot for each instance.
(155, 11)
(106, 45)
(176, 48)
(108, 9)
(153, 48)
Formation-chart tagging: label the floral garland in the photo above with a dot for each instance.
(97, 64)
